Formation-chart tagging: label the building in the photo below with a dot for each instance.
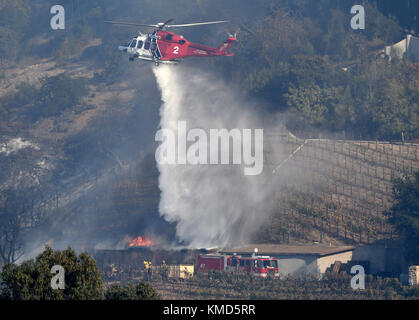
(384, 260)
(414, 275)
(406, 49)
(298, 259)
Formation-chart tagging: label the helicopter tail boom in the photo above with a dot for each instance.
(195, 49)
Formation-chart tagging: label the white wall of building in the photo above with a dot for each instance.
(296, 265)
(407, 48)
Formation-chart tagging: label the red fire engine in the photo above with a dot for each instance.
(260, 266)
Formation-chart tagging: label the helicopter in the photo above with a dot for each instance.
(162, 46)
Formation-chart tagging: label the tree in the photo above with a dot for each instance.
(61, 92)
(26, 198)
(27, 195)
(32, 279)
(405, 214)
(317, 106)
(118, 292)
(142, 291)
(14, 18)
(146, 292)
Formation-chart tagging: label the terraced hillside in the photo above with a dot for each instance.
(334, 190)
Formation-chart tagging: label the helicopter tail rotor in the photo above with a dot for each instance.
(233, 35)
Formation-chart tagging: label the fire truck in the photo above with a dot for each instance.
(259, 266)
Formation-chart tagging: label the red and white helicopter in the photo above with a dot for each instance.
(163, 46)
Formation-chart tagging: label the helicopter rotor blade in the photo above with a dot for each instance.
(132, 24)
(164, 25)
(194, 24)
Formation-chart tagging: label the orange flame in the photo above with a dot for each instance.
(141, 242)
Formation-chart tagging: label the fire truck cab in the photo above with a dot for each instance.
(260, 266)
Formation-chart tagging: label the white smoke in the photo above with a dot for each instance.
(16, 144)
(213, 205)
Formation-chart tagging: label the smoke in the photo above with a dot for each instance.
(16, 144)
(212, 205)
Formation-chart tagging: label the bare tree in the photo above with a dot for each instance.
(21, 209)
(25, 199)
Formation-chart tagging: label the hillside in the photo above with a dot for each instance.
(335, 190)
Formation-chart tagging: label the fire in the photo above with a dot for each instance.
(141, 242)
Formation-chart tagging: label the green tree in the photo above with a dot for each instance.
(32, 279)
(405, 214)
(146, 292)
(142, 291)
(118, 292)
(14, 19)
(317, 106)
(61, 92)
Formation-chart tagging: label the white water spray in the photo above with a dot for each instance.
(213, 205)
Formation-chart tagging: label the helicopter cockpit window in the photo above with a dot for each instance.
(169, 37)
(133, 43)
(147, 45)
(140, 44)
